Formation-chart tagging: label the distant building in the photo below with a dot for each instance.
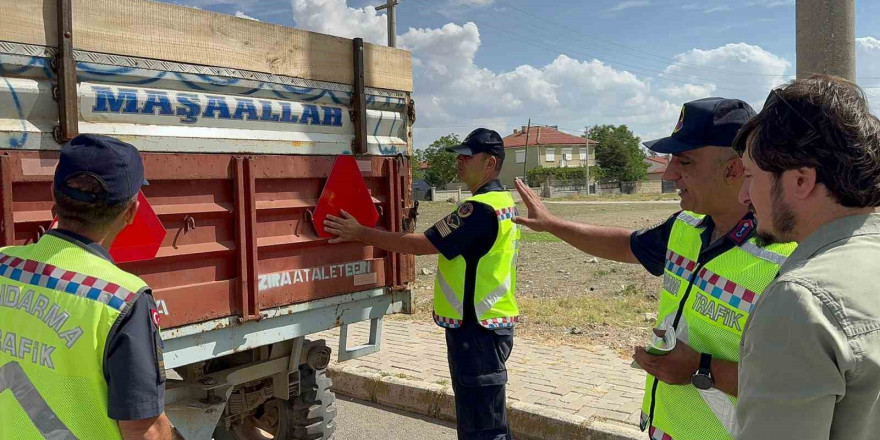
(547, 147)
(656, 167)
(655, 183)
(421, 190)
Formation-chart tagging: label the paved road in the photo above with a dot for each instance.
(358, 420)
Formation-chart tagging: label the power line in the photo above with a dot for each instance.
(666, 76)
(635, 51)
(638, 52)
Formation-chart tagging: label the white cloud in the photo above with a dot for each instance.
(480, 3)
(240, 14)
(627, 4)
(336, 18)
(718, 9)
(454, 94)
(451, 90)
(736, 70)
(868, 69)
(772, 3)
(688, 92)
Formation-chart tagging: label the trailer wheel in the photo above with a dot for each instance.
(313, 412)
(309, 416)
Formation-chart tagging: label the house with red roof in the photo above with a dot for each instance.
(656, 167)
(543, 146)
(654, 183)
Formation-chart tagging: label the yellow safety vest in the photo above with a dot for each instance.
(708, 303)
(494, 300)
(58, 304)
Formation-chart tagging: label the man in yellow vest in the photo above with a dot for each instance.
(713, 272)
(475, 283)
(80, 352)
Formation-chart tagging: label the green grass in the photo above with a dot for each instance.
(624, 309)
(539, 237)
(603, 273)
(620, 197)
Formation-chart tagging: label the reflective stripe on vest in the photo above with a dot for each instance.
(13, 378)
(690, 219)
(492, 298)
(58, 305)
(763, 254)
(51, 277)
(449, 294)
(495, 283)
(708, 302)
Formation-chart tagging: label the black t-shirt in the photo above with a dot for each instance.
(649, 245)
(469, 232)
(133, 364)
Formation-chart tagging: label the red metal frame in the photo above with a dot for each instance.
(230, 220)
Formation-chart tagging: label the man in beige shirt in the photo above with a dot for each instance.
(810, 355)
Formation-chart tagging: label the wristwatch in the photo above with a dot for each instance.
(702, 379)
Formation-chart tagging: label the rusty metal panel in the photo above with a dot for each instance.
(239, 234)
(358, 100)
(68, 126)
(8, 225)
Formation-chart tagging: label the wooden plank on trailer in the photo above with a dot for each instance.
(150, 29)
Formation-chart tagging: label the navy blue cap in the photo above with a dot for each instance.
(705, 122)
(115, 164)
(481, 140)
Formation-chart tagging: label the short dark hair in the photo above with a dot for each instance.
(821, 122)
(499, 162)
(85, 215)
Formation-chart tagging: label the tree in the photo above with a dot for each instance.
(442, 167)
(415, 164)
(618, 153)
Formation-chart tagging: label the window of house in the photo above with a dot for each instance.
(550, 155)
(583, 154)
(566, 154)
(520, 157)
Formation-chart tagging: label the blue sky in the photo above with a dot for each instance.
(573, 63)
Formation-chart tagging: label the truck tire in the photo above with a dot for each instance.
(313, 412)
(309, 416)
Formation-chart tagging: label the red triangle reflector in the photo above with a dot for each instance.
(345, 190)
(140, 240)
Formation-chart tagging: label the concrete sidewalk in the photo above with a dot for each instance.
(553, 391)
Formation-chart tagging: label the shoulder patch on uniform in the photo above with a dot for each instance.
(154, 316)
(465, 209)
(453, 221)
(742, 231)
(443, 228)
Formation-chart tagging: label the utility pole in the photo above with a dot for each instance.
(587, 161)
(826, 38)
(526, 148)
(392, 21)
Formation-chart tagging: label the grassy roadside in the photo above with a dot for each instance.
(565, 295)
(619, 198)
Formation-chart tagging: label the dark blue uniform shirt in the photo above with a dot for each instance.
(469, 232)
(133, 356)
(649, 245)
